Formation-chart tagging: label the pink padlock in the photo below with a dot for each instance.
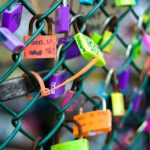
(147, 128)
(146, 41)
(69, 95)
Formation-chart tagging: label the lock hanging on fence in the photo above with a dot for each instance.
(101, 121)
(121, 3)
(117, 99)
(79, 144)
(62, 16)
(10, 41)
(86, 2)
(69, 95)
(96, 37)
(87, 47)
(43, 46)
(57, 78)
(11, 17)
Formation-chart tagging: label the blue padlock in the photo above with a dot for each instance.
(86, 2)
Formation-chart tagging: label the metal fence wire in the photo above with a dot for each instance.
(16, 121)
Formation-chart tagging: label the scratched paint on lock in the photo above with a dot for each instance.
(41, 47)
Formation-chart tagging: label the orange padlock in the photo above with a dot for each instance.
(147, 66)
(94, 122)
(43, 46)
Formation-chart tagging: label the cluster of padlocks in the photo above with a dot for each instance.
(47, 46)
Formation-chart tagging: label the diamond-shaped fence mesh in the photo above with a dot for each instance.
(16, 87)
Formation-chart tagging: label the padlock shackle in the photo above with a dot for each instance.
(80, 135)
(74, 86)
(35, 143)
(115, 82)
(48, 20)
(64, 3)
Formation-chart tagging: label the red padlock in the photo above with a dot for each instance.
(43, 46)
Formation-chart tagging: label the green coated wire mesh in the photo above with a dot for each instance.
(16, 118)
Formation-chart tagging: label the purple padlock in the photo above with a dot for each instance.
(8, 39)
(55, 80)
(147, 129)
(124, 78)
(73, 51)
(62, 17)
(137, 101)
(69, 95)
(146, 41)
(12, 17)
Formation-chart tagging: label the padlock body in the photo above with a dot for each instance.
(124, 79)
(62, 19)
(81, 144)
(96, 37)
(107, 35)
(86, 2)
(146, 41)
(118, 107)
(125, 2)
(55, 80)
(94, 122)
(71, 52)
(11, 18)
(147, 129)
(68, 96)
(10, 41)
(147, 66)
(89, 49)
(43, 46)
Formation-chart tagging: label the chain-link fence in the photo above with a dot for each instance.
(11, 89)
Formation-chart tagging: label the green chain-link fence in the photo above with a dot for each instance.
(60, 115)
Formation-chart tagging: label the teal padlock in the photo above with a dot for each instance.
(79, 144)
(86, 2)
(121, 3)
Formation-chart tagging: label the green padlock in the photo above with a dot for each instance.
(122, 3)
(117, 99)
(89, 49)
(80, 144)
(96, 37)
(108, 29)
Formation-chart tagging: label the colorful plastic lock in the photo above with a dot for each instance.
(94, 122)
(89, 49)
(125, 2)
(137, 101)
(62, 17)
(96, 37)
(118, 108)
(69, 95)
(147, 128)
(8, 39)
(11, 17)
(86, 2)
(79, 144)
(72, 51)
(43, 46)
(124, 78)
(55, 80)
(146, 41)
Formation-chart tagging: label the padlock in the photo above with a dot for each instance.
(79, 144)
(10, 41)
(72, 51)
(146, 41)
(101, 121)
(96, 37)
(147, 128)
(107, 34)
(43, 46)
(86, 2)
(117, 99)
(62, 17)
(121, 3)
(87, 47)
(69, 95)
(124, 79)
(11, 17)
(136, 102)
(147, 66)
